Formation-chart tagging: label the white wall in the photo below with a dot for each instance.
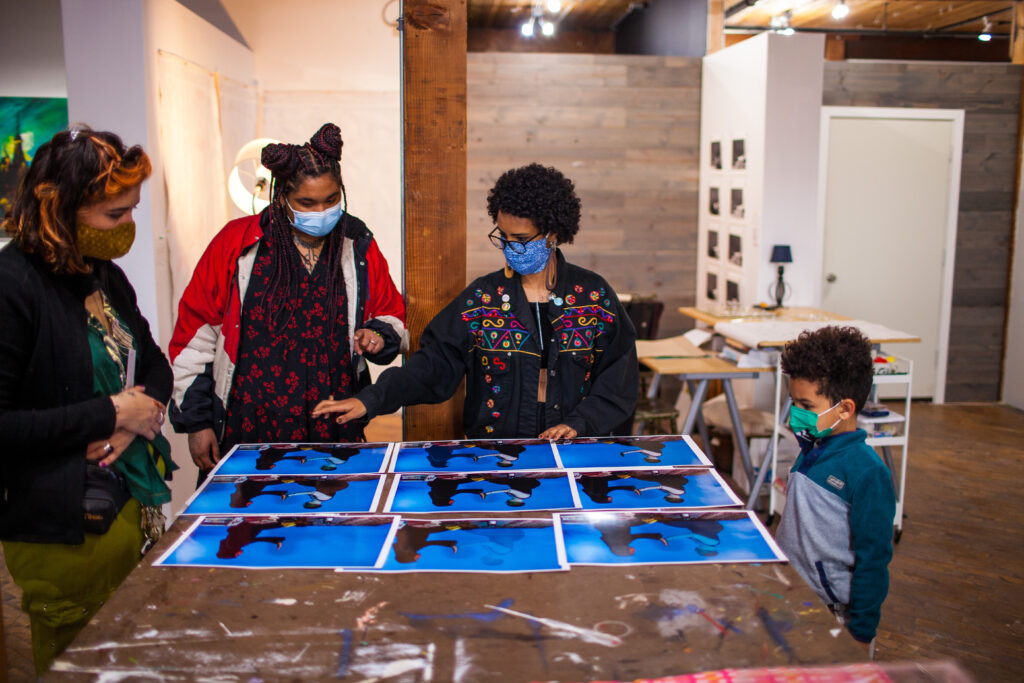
(336, 60)
(32, 51)
(104, 53)
(110, 51)
(1013, 365)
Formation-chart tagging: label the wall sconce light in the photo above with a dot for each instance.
(249, 180)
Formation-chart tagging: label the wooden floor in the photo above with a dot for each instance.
(957, 586)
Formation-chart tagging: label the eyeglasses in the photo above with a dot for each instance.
(498, 240)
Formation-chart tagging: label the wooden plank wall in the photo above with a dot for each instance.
(990, 95)
(626, 129)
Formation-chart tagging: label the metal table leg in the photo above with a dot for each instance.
(737, 428)
(702, 426)
(697, 400)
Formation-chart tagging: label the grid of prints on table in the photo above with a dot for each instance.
(634, 500)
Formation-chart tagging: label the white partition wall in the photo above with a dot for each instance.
(760, 104)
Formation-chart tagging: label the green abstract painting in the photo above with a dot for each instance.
(25, 124)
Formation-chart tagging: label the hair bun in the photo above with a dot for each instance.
(280, 158)
(327, 142)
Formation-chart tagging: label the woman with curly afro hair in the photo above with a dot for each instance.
(284, 309)
(545, 347)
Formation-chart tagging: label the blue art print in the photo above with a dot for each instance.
(666, 538)
(309, 458)
(633, 489)
(474, 456)
(476, 545)
(630, 452)
(262, 494)
(323, 541)
(481, 492)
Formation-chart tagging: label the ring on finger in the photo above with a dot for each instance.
(107, 448)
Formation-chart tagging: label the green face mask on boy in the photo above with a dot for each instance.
(803, 421)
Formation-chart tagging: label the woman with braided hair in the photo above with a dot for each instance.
(82, 388)
(283, 311)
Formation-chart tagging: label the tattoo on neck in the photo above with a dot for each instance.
(309, 251)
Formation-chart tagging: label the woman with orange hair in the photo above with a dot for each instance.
(82, 388)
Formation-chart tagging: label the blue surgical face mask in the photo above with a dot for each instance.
(317, 223)
(804, 422)
(532, 260)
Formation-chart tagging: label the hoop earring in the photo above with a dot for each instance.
(509, 272)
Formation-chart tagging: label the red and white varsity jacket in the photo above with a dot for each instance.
(204, 345)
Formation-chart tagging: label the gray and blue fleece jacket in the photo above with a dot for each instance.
(838, 524)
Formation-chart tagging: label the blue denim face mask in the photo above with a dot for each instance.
(532, 260)
(317, 223)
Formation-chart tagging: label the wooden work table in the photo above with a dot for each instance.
(792, 314)
(789, 315)
(246, 625)
(697, 366)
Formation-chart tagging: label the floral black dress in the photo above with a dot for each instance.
(281, 377)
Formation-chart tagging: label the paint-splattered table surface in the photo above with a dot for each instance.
(608, 623)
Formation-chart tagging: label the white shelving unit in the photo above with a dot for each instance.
(885, 445)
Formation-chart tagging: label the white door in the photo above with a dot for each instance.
(889, 219)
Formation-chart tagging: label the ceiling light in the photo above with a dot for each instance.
(547, 28)
(554, 5)
(986, 31)
(527, 28)
(780, 23)
(841, 10)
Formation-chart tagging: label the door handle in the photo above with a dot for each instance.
(831, 277)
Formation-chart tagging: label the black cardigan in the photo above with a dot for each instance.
(49, 412)
(489, 336)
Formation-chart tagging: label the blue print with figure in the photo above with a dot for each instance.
(285, 495)
(481, 545)
(472, 492)
(285, 542)
(340, 458)
(475, 456)
(631, 489)
(666, 538)
(631, 452)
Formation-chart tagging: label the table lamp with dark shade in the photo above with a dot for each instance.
(781, 254)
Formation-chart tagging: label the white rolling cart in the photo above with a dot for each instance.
(885, 433)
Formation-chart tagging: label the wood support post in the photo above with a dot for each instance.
(1017, 34)
(716, 26)
(835, 48)
(434, 197)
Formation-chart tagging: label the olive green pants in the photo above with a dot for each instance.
(63, 586)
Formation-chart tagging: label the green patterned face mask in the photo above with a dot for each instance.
(803, 421)
(105, 245)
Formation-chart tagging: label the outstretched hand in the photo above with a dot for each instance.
(562, 431)
(348, 409)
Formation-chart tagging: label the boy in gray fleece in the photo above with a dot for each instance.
(838, 523)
